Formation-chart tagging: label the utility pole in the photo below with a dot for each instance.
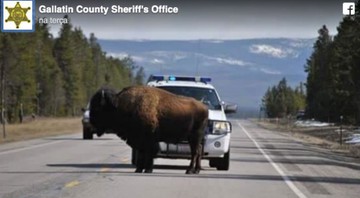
(260, 111)
(3, 100)
(341, 133)
(197, 57)
(37, 98)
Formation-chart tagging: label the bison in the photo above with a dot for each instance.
(144, 116)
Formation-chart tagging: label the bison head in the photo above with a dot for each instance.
(102, 110)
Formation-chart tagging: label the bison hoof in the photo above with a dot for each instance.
(139, 170)
(192, 171)
(148, 171)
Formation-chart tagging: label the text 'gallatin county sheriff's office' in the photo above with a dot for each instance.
(114, 9)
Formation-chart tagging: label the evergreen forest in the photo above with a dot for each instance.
(43, 75)
(333, 78)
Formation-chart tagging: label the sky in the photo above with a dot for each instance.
(223, 20)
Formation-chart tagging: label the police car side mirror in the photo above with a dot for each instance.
(230, 108)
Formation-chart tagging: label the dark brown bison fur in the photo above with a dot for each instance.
(144, 116)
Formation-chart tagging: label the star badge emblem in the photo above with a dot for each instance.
(17, 14)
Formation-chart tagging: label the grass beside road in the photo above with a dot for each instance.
(324, 137)
(40, 127)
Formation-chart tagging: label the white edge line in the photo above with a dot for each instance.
(276, 167)
(29, 147)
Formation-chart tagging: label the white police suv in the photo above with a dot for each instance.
(217, 134)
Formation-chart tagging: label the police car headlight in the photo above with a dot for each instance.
(220, 127)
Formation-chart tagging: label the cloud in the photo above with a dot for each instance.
(276, 52)
(214, 41)
(180, 56)
(163, 54)
(269, 71)
(223, 60)
(230, 61)
(119, 55)
(251, 66)
(163, 57)
(122, 55)
(169, 55)
(142, 58)
(299, 43)
(157, 61)
(138, 59)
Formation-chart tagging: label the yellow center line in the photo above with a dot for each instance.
(72, 184)
(104, 170)
(125, 159)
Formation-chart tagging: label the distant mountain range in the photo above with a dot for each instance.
(241, 70)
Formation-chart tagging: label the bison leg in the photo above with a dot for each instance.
(145, 158)
(195, 163)
(151, 151)
(140, 161)
(191, 169)
(149, 162)
(198, 159)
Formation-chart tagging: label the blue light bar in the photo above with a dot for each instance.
(180, 78)
(156, 78)
(172, 78)
(205, 79)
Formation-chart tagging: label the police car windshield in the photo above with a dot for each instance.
(205, 95)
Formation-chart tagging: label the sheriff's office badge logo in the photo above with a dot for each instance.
(18, 16)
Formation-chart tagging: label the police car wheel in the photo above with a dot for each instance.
(213, 163)
(224, 163)
(87, 134)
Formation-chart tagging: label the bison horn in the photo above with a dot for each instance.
(102, 102)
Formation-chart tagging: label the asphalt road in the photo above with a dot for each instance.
(263, 164)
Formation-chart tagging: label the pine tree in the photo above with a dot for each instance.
(282, 101)
(356, 62)
(49, 90)
(139, 76)
(333, 85)
(65, 54)
(56, 77)
(319, 97)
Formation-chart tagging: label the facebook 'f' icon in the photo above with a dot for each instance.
(349, 8)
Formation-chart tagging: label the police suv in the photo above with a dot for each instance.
(217, 135)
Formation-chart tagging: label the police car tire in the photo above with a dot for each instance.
(224, 163)
(87, 134)
(213, 163)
